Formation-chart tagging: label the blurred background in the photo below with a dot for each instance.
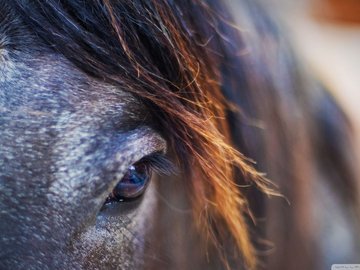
(326, 36)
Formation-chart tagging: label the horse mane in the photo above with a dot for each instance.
(218, 97)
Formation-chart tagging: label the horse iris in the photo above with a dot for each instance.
(132, 185)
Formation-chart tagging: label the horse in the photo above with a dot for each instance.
(165, 134)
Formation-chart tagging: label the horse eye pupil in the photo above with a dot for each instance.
(132, 185)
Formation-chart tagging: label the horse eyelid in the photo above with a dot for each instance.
(159, 163)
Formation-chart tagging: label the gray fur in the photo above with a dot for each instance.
(66, 139)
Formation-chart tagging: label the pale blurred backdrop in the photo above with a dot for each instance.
(326, 35)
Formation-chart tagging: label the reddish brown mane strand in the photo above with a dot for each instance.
(197, 108)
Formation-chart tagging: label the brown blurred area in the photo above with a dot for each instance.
(337, 10)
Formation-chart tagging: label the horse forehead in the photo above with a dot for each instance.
(45, 90)
(47, 102)
(47, 96)
(37, 79)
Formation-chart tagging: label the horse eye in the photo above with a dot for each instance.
(132, 185)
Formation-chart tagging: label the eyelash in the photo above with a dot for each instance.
(159, 163)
